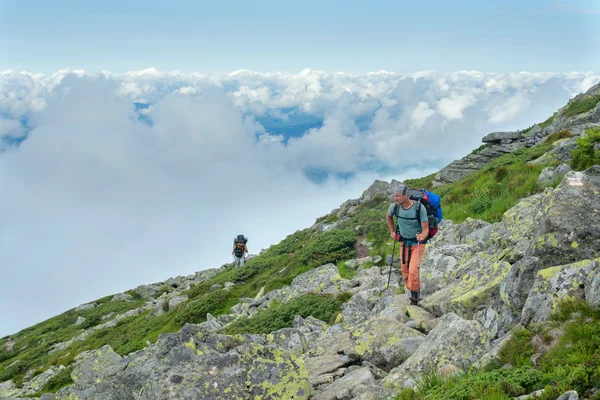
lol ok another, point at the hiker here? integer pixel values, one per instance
(239, 250)
(412, 234)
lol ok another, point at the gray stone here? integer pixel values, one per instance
(453, 341)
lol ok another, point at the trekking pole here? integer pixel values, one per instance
(419, 268)
(391, 263)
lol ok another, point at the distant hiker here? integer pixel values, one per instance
(412, 231)
(239, 250)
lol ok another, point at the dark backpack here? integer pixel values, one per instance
(239, 249)
(432, 204)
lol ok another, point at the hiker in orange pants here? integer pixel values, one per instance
(412, 233)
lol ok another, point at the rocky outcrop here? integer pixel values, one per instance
(500, 143)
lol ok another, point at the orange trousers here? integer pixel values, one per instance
(410, 270)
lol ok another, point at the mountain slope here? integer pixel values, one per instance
(338, 330)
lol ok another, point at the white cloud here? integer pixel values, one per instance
(453, 107)
(421, 113)
(94, 195)
(510, 108)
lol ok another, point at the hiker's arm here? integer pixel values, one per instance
(390, 224)
(424, 231)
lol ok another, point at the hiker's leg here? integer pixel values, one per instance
(242, 261)
(413, 282)
(404, 263)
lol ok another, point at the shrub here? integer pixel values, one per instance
(196, 310)
(585, 155)
(323, 307)
(329, 247)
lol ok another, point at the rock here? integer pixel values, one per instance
(193, 364)
(453, 341)
(95, 365)
(377, 187)
(439, 267)
(322, 369)
(288, 339)
(176, 301)
(532, 396)
(7, 389)
(37, 383)
(477, 284)
(552, 285)
(592, 289)
(322, 280)
(359, 307)
(80, 320)
(216, 286)
(497, 346)
(146, 291)
(85, 307)
(122, 297)
(549, 174)
(499, 136)
(569, 229)
(534, 131)
(348, 387)
(570, 395)
(384, 341)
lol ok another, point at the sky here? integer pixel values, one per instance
(137, 139)
(267, 35)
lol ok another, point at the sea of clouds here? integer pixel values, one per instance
(110, 181)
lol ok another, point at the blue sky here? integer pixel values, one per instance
(353, 36)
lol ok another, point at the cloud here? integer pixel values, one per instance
(96, 200)
(510, 108)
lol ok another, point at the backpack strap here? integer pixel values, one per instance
(417, 216)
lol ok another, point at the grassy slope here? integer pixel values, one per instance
(486, 195)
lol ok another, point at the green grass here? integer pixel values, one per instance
(323, 307)
(573, 364)
(487, 194)
(581, 106)
(346, 272)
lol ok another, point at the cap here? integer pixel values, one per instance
(401, 188)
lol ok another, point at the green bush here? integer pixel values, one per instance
(323, 307)
(585, 155)
(329, 247)
(196, 310)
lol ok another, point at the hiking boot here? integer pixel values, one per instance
(414, 302)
